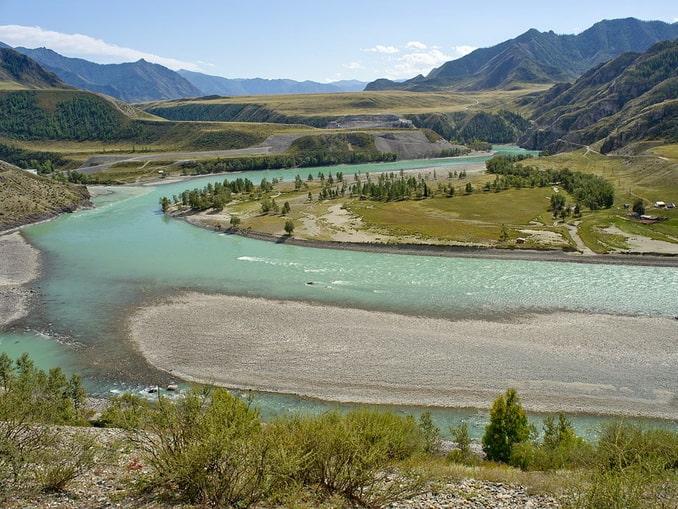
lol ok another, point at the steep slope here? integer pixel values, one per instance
(26, 198)
(23, 72)
(633, 97)
(130, 82)
(539, 57)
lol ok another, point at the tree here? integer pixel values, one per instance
(504, 235)
(285, 208)
(430, 431)
(289, 227)
(235, 221)
(639, 206)
(508, 426)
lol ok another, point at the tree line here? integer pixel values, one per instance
(588, 189)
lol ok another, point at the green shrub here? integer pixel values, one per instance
(206, 448)
(635, 468)
(356, 456)
(35, 454)
(127, 411)
(559, 448)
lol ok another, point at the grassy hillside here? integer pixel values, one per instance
(323, 106)
(26, 198)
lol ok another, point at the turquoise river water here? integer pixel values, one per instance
(99, 264)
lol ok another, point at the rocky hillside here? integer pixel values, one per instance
(23, 72)
(539, 57)
(26, 198)
(631, 98)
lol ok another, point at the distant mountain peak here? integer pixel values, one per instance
(539, 57)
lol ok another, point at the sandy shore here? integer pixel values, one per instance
(19, 265)
(575, 362)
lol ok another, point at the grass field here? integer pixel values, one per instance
(484, 217)
(369, 103)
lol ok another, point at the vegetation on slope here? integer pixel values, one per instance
(628, 99)
(210, 447)
(27, 198)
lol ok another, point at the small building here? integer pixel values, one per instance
(659, 204)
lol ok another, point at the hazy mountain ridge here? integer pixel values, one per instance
(131, 82)
(217, 85)
(539, 57)
(630, 98)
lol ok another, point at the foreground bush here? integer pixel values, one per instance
(206, 448)
(35, 454)
(635, 468)
(358, 456)
(211, 448)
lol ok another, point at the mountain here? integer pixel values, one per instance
(630, 98)
(24, 72)
(217, 85)
(130, 82)
(539, 57)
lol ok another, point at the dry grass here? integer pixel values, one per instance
(369, 103)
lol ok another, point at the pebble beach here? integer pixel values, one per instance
(574, 362)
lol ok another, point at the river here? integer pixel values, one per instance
(101, 264)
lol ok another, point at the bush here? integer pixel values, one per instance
(356, 456)
(34, 454)
(206, 448)
(559, 448)
(635, 468)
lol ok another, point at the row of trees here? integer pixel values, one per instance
(591, 190)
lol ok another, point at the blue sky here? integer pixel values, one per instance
(315, 40)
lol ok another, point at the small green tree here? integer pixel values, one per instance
(235, 221)
(289, 227)
(504, 234)
(430, 431)
(639, 206)
(508, 426)
(285, 208)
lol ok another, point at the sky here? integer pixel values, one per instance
(318, 40)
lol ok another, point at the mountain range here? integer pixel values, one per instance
(141, 81)
(533, 57)
(538, 57)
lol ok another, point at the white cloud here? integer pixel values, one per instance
(419, 62)
(413, 58)
(416, 45)
(464, 50)
(354, 65)
(84, 46)
(379, 48)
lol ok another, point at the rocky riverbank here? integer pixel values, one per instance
(20, 265)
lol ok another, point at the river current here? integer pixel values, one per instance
(100, 264)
